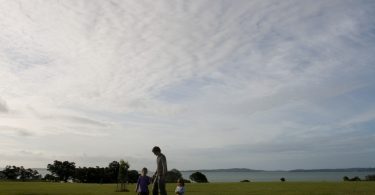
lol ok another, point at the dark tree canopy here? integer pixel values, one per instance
(49, 177)
(113, 170)
(11, 172)
(133, 176)
(63, 170)
(370, 177)
(173, 175)
(14, 172)
(109, 174)
(346, 178)
(198, 177)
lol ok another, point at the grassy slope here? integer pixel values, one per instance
(259, 188)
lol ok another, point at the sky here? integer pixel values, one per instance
(260, 84)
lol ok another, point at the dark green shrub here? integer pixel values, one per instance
(198, 177)
(172, 176)
(356, 178)
(370, 178)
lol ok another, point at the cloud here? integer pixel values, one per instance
(3, 106)
(70, 119)
(267, 76)
(15, 131)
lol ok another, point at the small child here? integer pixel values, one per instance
(180, 189)
(143, 182)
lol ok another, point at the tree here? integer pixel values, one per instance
(172, 176)
(198, 177)
(122, 176)
(14, 172)
(11, 172)
(133, 176)
(94, 175)
(370, 177)
(49, 177)
(113, 169)
(28, 174)
(356, 178)
(80, 174)
(346, 178)
(2, 176)
(63, 170)
(35, 174)
(24, 174)
(108, 174)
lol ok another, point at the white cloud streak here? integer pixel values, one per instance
(100, 78)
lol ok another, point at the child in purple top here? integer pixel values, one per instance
(143, 182)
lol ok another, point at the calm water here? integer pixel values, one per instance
(276, 175)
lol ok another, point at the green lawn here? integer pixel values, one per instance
(328, 188)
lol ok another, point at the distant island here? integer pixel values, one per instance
(336, 170)
(294, 170)
(225, 170)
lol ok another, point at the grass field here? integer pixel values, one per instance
(328, 188)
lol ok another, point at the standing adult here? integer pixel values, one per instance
(160, 173)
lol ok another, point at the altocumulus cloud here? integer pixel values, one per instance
(270, 85)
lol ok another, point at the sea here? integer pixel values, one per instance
(270, 176)
(273, 176)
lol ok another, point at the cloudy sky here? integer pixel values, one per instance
(261, 84)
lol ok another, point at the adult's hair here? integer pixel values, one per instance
(156, 149)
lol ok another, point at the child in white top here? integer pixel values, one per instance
(180, 189)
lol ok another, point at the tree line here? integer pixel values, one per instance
(367, 178)
(64, 171)
(19, 173)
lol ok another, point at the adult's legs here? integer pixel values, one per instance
(159, 185)
(162, 189)
(155, 187)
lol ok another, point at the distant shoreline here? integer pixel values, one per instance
(293, 170)
(239, 174)
(255, 170)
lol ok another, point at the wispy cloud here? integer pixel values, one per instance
(15, 131)
(3, 106)
(100, 77)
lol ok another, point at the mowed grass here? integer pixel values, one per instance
(287, 188)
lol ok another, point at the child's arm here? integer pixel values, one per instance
(137, 187)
